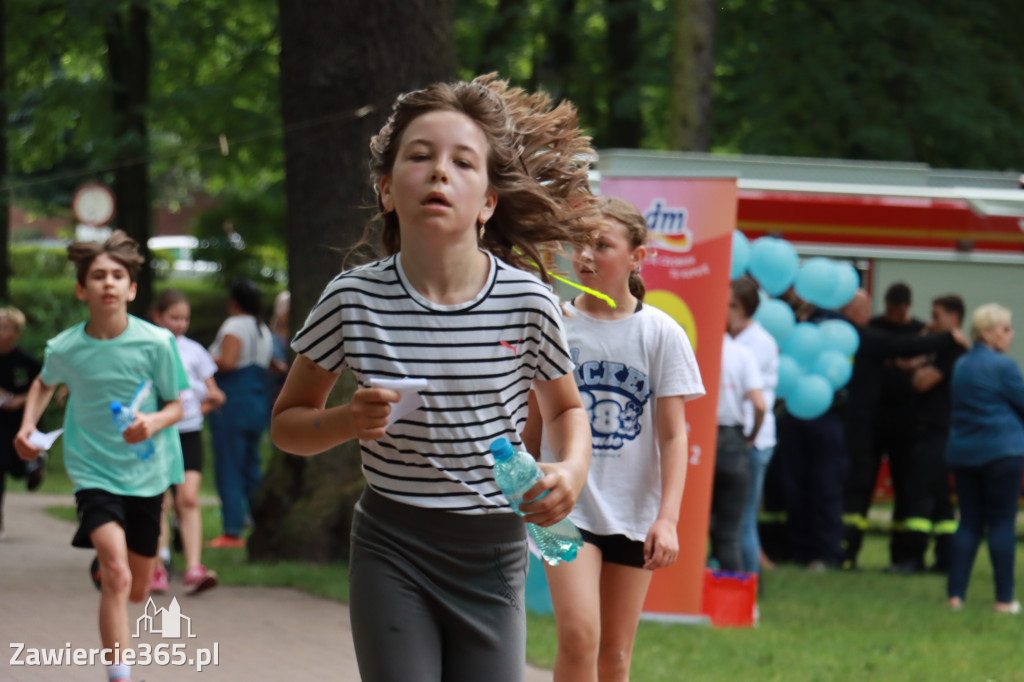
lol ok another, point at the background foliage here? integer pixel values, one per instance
(909, 80)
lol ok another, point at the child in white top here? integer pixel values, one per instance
(635, 369)
(172, 311)
(438, 559)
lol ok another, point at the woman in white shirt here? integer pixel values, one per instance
(242, 351)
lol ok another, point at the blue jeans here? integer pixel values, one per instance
(237, 429)
(750, 544)
(728, 497)
(988, 496)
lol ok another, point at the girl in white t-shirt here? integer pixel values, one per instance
(635, 369)
(172, 311)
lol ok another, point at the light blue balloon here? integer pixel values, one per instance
(804, 344)
(834, 366)
(777, 318)
(816, 281)
(810, 398)
(790, 372)
(740, 254)
(847, 281)
(839, 335)
(773, 263)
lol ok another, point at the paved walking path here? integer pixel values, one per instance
(48, 602)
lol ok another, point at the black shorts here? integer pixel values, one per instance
(617, 549)
(192, 449)
(139, 516)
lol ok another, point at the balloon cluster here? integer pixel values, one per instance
(815, 359)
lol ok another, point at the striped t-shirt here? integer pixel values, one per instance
(479, 359)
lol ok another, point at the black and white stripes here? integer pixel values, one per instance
(479, 358)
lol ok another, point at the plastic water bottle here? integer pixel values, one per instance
(123, 418)
(516, 471)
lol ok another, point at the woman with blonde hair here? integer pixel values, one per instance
(986, 454)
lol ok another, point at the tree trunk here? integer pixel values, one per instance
(342, 64)
(559, 59)
(625, 122)
(693, 69)
(128, 57)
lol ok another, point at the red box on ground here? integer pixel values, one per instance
(730, 598)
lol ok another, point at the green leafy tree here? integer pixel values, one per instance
(935, 81)
(162, 99)
(5, 208)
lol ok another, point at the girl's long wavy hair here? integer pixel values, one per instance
(537, 166)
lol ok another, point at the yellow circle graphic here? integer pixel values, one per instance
(675, 308)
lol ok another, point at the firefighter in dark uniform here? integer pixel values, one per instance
(896, 415)
(803, 496)
(928, 504)
(864, 391)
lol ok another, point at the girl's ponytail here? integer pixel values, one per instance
(636, 284)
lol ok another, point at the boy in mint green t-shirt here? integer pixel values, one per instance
(119, 495)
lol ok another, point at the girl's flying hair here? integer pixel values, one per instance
(537, 165)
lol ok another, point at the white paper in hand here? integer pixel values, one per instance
(44, 441)
(408, 389)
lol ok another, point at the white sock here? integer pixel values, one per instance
(165, 554)
(116, 671)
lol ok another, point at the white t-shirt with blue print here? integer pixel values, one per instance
(622, 368)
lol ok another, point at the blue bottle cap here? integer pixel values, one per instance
(501, 448)
(116, 406)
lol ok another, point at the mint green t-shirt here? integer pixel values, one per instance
(98, 372)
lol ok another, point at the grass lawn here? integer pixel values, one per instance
(815, 627)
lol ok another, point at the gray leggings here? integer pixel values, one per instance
(436, 596)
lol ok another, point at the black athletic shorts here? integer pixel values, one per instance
(139, 516)
(192, 449)
(617, 549)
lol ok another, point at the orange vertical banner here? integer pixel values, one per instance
(687, 276)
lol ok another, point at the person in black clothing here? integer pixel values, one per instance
(864, 391)
(896, 415)
(805, 478)
(17, 370)
(928, 506)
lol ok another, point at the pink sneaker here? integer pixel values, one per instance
(199, 579)
(158, 585)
